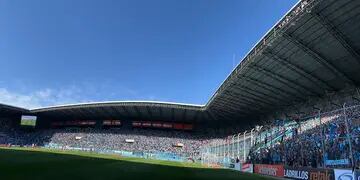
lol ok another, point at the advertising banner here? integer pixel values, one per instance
(270, 170)
(157, 124)
(238, 166)
(107, 122)
(136, 124)
(357, 175)
(343, 174)
(308, 173)
(337, 162)
(116, 123)
(249, 168)
(146, 124)
(167, 125)
(296, 173)
(178, 126)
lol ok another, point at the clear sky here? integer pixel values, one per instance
(69, 51)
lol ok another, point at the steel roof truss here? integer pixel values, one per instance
(337, 34)
(271, 88)
(244, 103)
(212, 117)
(243, 99)
(251, 91)
(229, 104)
(317, 57)
(233, 110)
(254, 97)
(224, 114)
(219, 115)
(284, 80)
(315, 80)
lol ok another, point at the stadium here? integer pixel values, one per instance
(290, 109)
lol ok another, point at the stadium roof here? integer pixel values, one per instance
(312, 50)
(11, 110)
(140, 110)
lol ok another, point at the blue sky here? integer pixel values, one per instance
(69, 51)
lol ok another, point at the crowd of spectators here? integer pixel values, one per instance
(144, 140)
(309, 144)
(134, 140)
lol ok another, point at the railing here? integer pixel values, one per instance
(328, 139)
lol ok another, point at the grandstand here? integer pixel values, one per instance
(292, 103)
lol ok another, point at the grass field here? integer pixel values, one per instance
(21, 163)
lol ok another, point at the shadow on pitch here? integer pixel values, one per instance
(20, 164)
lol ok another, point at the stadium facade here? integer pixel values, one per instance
(308, 61)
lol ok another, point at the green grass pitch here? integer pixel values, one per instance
(21, 163)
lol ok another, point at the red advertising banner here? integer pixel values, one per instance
(270, 170)
(178, 126)
(247, 168)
